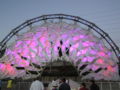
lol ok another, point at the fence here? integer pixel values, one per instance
(26, 85)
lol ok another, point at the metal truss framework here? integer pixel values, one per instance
(89, 24)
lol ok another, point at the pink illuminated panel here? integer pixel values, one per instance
(43, 44)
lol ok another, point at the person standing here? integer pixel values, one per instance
(54, 84)
(0, 84)
(83, 86)
(37, 85)
(64, 85)
(9, 84)
(94, 86)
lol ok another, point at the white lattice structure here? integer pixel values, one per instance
(52, 41)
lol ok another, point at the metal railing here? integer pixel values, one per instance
(26, 86)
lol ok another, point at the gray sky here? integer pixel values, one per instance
(104, 13)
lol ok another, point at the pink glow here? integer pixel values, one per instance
(3, 67)
(100, 61)
(76, 46)
(78, 53)
(84, 59)
(10, 69)
(63, 48)
(55, 49)
(38, 34)
(67, 43)
(76, 38)
(88, 43)
(71, 49)
(84, 51)
(95, 67)
(41, 46)
(93, 52)
(7, 68)
(90, 59)
(101, 53)
(64, 36)
(32, 54)
(110, 68)
(81, 36)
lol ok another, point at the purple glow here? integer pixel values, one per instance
(41, 46)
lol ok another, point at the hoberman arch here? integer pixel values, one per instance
(91, 26)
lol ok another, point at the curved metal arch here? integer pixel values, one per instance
(89, 24)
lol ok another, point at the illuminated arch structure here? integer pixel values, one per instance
(59, 37)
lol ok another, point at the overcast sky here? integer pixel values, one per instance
(104, 13)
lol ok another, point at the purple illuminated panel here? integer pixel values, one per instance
(43, 44)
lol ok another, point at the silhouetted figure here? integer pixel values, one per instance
(93, 85)
(67, 51)
(64, 85)
(83, 86)
(0, 84)
(61, 42)
(59, 51)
